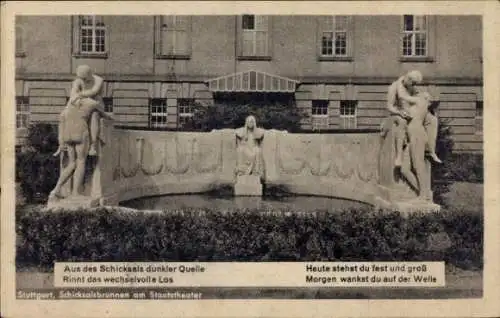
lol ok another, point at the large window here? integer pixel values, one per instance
(334, 40)
(158, 113)
(348, 114)
(479, 118)
(185, 107)
(415, 37)
(319, 114)
(254, 36)
(173, 38)
(90, 36)
(335, 34)
(22, 112)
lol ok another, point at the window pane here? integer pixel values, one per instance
(99, 21)
(340, 43)
(319, 107)
(167, 42)
(100, 41)
(408, 23)
(181, 40)
(248, 22)
(327, 43)
(248, 43)
(407, 49)
(420, 44)
(261, 22)
(261, 43)
(420, 23)
(181, 22)
(86, 20)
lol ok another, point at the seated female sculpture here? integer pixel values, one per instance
(248, 142)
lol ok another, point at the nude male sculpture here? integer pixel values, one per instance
(79, 127)
(400, 98)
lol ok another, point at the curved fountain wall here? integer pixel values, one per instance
(136, 163)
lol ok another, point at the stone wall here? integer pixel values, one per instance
(140, 163)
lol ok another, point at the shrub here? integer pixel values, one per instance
(109, 234)
(442, 173)
(219, 116)
(36, 169)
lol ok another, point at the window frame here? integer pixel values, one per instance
(346, 118)
(25, 101)
(331, 22)
(190, 105)
(108, 102)
(430, 40)
(320, 121)
(77, 37)
(158, 22)
(163, 104)
(267, 56)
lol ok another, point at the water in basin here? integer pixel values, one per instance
(203, 201)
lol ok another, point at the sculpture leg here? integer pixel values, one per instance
(82, 150)
(400, 133)
(431, 128)
(94, 133)
(66, 173)
(417, 152)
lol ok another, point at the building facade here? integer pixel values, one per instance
(336, 68)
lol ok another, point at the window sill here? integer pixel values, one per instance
(254, 58)
(335, 58)
(91, 55)
(174, 57)
(417, 59)
(20, 54)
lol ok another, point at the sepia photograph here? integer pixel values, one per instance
(163, 156)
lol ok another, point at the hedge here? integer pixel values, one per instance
(109, 234)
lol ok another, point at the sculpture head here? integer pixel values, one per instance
(84, 72)
(250, 122)
(412, 79)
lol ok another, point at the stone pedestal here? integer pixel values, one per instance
(73, 202)
(408, 206)
(248, 186)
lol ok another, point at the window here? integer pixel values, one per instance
(22, 112)
(479, 118)
(20, 36)
(335, 37)
(108, 105)
(319, 114)
(158, 113)
(254, 36)
(185, 110)
(173, 39)
(416, 36)
(348, 114)
(90, 36)
(334, 41)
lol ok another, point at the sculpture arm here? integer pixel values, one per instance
(98, 81)
(100, 109)
(403, 94)
(391, 101)
(75, 91)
